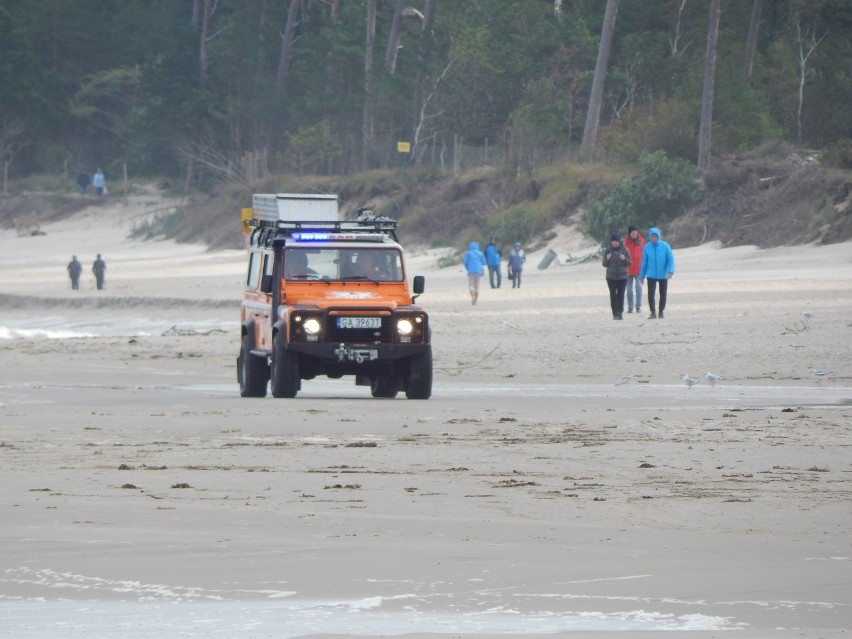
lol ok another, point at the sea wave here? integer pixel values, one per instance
(19, 302)
(7, 332)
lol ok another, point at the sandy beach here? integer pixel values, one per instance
(530, 496)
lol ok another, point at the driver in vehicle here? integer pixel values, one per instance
(296, 265)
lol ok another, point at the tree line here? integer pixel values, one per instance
(236, 89)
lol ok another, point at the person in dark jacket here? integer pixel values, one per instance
(616, 259)
(99, 269)
(659, 267)
(74, 271)
(83, 182)
(517, 257)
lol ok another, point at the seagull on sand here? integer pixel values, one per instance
(689, 381)
(710, 377)
(624, 379)
(820, 374)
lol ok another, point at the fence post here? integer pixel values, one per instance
(456, 163)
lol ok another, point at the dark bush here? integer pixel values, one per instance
(661, 190)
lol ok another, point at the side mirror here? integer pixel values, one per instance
(419, 284)
(266, 284)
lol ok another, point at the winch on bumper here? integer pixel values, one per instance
(387, 349)
(357, 335)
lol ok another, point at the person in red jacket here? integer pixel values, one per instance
(634, 243)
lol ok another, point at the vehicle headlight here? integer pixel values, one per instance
(311, 326)
(404, 327)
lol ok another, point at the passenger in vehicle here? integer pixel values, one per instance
(366, 265)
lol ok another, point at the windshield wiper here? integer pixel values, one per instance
(360, 278)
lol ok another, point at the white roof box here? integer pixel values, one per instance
(295, 207)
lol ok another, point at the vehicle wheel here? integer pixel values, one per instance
(419, 384)
(284, 373)
(384, 386)
(252, 371)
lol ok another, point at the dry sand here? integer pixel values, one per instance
(531, 496)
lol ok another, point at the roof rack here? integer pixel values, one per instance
(365, 223)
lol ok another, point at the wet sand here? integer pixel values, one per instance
(531, 496)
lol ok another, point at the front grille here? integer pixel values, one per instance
(357, 335)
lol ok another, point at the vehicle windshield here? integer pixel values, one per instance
(371, 264)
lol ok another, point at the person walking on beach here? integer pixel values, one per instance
(492, 259)
(474, 264)
(83, 182)
(634, 243)
(659, 267)
(517, 257)
(616, 259)
(75, 268)
(99, 182)
(99, 269)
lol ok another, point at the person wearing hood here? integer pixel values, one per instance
(474, 264)
(616, 259)
(634, 243)
(517, 257)
(659, 267)
(493, 253)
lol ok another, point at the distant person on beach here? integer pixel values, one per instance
(492, 259)
(99, 269)
(658, 266)
(634, 243)
(516, 260)
(83, 182)
(99, 182)
(474, 264)
(75, 268)
(616, 259)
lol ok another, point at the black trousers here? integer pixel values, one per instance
(652, 289)
(616, 295)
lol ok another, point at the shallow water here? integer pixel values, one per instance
(285, 619)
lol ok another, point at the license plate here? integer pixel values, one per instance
(359, 322)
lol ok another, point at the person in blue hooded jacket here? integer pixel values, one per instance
(493, 253)
(474, 264)
(659, 267)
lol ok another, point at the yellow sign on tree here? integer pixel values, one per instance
(403, 147)
(245, 216)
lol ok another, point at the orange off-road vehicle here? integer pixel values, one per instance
(329, 297)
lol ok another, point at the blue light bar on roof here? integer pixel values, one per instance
(310, 237)
(314, 236)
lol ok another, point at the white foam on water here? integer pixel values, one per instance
(152, 609)
(9, 332)
(285, 619)
(105, 325)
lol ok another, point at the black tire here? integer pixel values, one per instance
(252, 371)
(384, 386)
(419, 384)
(284, 372)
